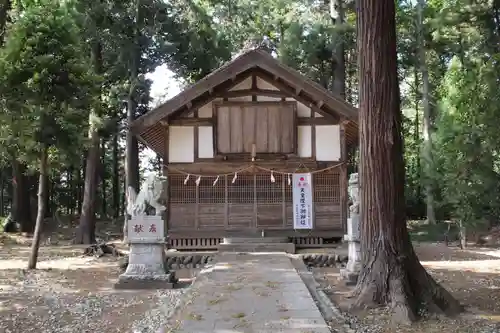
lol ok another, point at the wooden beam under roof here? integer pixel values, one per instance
(290, 91)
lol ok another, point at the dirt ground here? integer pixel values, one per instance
(472, 276)
(67, 293)
(73, 293)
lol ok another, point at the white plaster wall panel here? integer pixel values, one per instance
(317, 115)
(205, 142)
(304, 138)
(205, 111)
(245, 84)
(303, 111)
(241, 99)
(263, 84)
(328, 143)
(268, 99)
(181, 144)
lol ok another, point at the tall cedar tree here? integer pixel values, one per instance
(46, 88)
(391, 272)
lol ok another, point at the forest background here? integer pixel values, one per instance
(63, 118)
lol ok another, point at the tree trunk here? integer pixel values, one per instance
(103, 179)
(5, 6)
(48, 197)
(427, 127)
(42, 189)
(132, 149)
(116, 178)
(21, 208)
(86, 229)
(80, 182)
(132, 155)
(462, 235)
(416, 138)
(338, 56)
(2, 197)
(71, 192)
(391, 272)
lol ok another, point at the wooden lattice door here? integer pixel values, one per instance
(270, 208)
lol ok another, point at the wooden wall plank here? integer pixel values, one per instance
(249, 117)
(236, 138)
(223, 137)
(271, 126)
(261, 131)
(287, 130)
(274, 129)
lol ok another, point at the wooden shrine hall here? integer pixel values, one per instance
(230, 144)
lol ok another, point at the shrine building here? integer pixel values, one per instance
(255, 148)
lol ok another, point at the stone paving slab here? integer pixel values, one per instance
(251, 293)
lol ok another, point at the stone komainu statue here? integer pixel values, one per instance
(149, 194)
(354, 193)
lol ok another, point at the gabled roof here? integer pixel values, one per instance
(227, 76)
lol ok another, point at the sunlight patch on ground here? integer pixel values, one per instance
(478, 266)
(490, 317)
(489, 252)
(72, 263)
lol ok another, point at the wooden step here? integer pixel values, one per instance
(262, 240)
(257, 247)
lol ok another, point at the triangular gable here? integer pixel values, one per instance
(234, 72)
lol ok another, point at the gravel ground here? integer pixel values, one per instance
(71, 293)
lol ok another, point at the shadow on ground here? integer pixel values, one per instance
(470, 275)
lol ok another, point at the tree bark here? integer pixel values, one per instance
(86, 229)
(5, 6)
(116, 178)
(80, 182)
(48, 197)
(42, 189)
(132, 154)
(103, 179)
(391, 272)
(2, 197)
(21, 208)
(416, 137)
(338, 56)
(427, 127)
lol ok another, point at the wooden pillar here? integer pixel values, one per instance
(226, 203)
(255, 219)
(343, 177)
(165, 174)
(313, 136)
(283, 199)
(196, 155)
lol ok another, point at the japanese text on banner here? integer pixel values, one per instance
(302, 201)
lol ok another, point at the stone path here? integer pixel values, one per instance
(251, 293)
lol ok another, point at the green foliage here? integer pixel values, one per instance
(46, 81)
(421, 231)
(48, 85)
(468, 142)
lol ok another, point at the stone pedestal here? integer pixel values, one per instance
(146, 265)
(351, 271)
